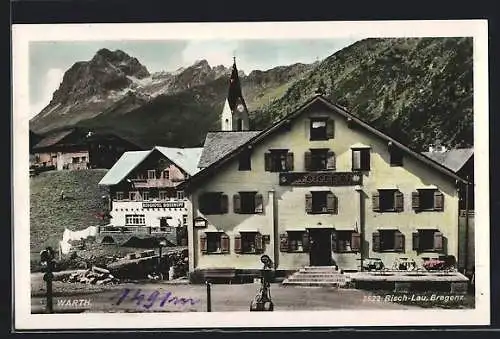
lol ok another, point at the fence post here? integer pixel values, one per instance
(209, 297)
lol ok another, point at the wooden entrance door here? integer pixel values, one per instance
(320, 253)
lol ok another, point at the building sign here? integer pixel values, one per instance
(200, 222)
(165, 204)
(320, 179)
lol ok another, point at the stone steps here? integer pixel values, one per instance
(327, 276)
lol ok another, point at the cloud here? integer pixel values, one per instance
(52, 79)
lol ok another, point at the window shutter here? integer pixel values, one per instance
(356, 160)
(355, 241)
(237, 243)
(289, 161)
(331, 203)
(415, 200)
(376, 201)
(398, 201)
(307, 161)
(224, 243)
(334, 241)
(399, 241)
(258, 243)
(438, 241)
(376, 242)
(284, 242)
(365, 159)
(236, 203)
(330, 129)
(416, 241)
(267, 161)
(203, 243)
(305, 241)
(309, 203)
(259, 203)
(330, 162)
(438, 201)
(224, 203)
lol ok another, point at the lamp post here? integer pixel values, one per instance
(161, 244)
(47, 261)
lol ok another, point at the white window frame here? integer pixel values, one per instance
(180, 195)
(135, 220)
(163, 195)
(153, 176)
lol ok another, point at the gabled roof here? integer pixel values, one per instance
(453, 159)
(184, 158)
(127, 162)
(219, 144)
(318, 99)
(53, 138)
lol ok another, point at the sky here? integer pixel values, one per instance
(48, 60)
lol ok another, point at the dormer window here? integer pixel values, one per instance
(321, 129)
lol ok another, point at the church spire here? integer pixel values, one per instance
(235, 112)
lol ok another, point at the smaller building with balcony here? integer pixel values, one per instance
(145, 202)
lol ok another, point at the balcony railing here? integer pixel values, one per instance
(135, 229)
(162, 182)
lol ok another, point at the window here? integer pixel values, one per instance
(184, 220)
(396, 157)
(361, 159)
(298, 241)
(213, 203)
(321, 129)
(84, 159)
(388, 240)
(75, 160)
(387, 200)
(278, 161)
(346, 241)
(119, 195)
(320, 202)
(180, 195)
(319, 159)
(214, 242)
(247, 203)
(163, 222)
(134, 195)
(135, 220)
(428, 241)
(162, 195)
(151, 174)
(427, 200)
(145, 195)
(245, 163)
(166, 174)
(248, 243)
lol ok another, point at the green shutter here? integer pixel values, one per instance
(399, 241)
(307, 161)
(376, 201)
(355, 241)
(376, 242)
(237, 243)
(289, 161)
(236, 203)
(267, 161)
(330, 129)
(259, 203)
(438, 201)
(284, 242)
(416, 241)
(415, 200)
(398, 201)
(309, 203)
(203, 243)
(438, 241)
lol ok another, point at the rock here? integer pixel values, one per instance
(100, 270)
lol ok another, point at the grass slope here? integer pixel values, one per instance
(49, 215)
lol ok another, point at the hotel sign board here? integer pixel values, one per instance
(321, 179)
(165, 204)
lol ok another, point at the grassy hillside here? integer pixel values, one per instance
(49, 215)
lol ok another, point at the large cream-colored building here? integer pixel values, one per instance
(318, 188)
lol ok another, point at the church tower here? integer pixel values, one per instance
(235, 113)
